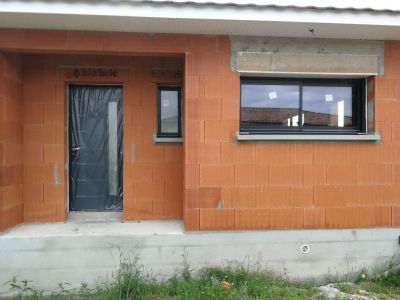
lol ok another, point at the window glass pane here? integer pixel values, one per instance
(327, 106)
(169, 111)
(272, 105)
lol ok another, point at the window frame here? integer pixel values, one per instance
(161, 88)
(358, 106)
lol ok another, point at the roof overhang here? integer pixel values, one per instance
(207, 18)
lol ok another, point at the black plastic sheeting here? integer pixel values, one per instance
(95, 147)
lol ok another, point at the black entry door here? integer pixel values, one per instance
(95, 147)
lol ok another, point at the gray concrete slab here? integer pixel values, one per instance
(82, 216)
(92, 227)
(306, 55)
(367, 65)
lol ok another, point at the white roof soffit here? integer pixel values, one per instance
(371, 5)
(355, 19)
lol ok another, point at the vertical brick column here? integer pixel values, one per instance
(211, 119)
(385, 169)
(153, 172)
(11, 205)
(44, 141)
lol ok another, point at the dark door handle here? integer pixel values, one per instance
(74, 151)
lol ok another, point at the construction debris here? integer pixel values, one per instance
(332, 292)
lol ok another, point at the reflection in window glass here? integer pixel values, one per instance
(169, 107)
(272, 105)
(302, 104)
(327, 106)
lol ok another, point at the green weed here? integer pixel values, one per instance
(231, 283)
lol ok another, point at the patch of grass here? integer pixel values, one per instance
(232, 282)
(383, 281)
(347, 288)
(132, 283)
(385, 285)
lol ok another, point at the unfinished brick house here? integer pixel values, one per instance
(225, 115)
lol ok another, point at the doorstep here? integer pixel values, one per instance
(94, 227)
(90, 217)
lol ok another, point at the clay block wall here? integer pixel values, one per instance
(261, 185)
(44, 141)
(11, 204)
(152, 183)
(387, 107)
(284, 185)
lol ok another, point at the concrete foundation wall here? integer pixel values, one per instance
(73, 253)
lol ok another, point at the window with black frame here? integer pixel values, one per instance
(169, 111)
(302, 105)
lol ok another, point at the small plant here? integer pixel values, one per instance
(62, 288)
(23, 289)
(84, 289)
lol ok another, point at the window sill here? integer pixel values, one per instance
(371, 137)
(167, 140)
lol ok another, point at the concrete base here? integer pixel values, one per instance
(82, 216)
(90, 251)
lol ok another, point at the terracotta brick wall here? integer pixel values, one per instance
(152, 184)
(262, 185)
(211, 156)
(284, 185)
(11, 204)
(387, 107)
(44, 141)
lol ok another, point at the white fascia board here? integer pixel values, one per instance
(382, 5)
(211, 19)
(194, 12)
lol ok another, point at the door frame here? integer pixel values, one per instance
(67, 132)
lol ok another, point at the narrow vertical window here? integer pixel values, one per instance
(169, 111)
